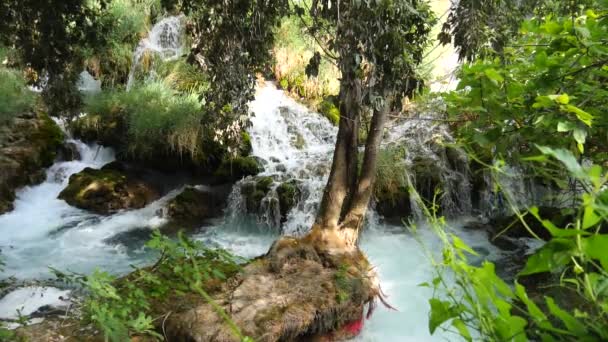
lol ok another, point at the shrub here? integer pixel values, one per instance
(329, 109)
(15, 97)
(154, 114)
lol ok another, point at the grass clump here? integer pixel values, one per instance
(15, 97)
(292, 52)
(154, 114)
(329, 109)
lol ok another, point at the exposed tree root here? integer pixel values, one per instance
(294, 292)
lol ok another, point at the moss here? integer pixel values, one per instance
(245, 147)
(255, 191)
(288, 193)
(49, 136)
(77, 187)
(236, 168)
(330, 110)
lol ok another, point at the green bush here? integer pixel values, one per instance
(15, 97)
(329, 109)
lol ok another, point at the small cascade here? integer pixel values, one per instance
(164, 40)
(430, 163)
(44, 231)
(294, 144)
(88, 84)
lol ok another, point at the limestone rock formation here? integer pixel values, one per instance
(28, 144)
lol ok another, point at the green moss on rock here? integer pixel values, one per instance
(289, 193)
(234, 169)
(330, 110)
(107, 190)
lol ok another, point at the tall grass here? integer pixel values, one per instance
(391, 174)
(127, 22)
(15, 97)
(155, 116)
(292, 52)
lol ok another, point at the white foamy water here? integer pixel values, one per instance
(45, 231)
(163, 40)
(27, 300)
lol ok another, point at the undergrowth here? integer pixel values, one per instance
(135, 304)
(15, 97)
(153, 112)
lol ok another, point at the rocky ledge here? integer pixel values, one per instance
(108, 190)
(28, 144)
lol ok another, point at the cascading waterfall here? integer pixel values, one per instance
(429, 162)
(164, 40)
(294, 144)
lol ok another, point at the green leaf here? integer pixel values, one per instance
(552, 228)
(561, 98)
(441, 311)
(552, 257)
(590, 218)
(566, 158)
(462, 329)
(565, 126)
(595, 247)
(585, 117)
(459, 244)
(571, 323)
(493, 75)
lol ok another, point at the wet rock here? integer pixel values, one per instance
(231, 170)
(393, 206)
(193, 206)
(107, 190)
(28, 144)
(289, 195)
(68, 151)
(254, 191)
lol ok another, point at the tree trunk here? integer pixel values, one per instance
(348, 192)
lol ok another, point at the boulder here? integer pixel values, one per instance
(107, 190)
(286, 195)
(192, 206)
(68, 151)
(234, 169)
(28, 144)
(289, 195)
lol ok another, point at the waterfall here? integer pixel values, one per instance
(294, 144)
(164, 40)
(297, 144)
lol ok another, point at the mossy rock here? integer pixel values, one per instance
(289, 195)
(330, 110)
(234, 169)
(28, 144)
(192, 207)
(106, 191)
(254, 191)
(245, 147)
